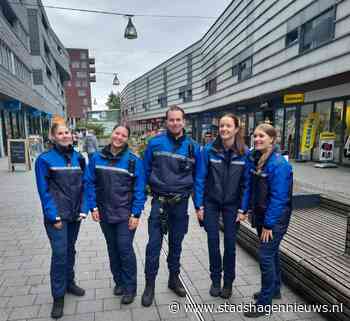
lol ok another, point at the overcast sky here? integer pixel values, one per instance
(103, 35)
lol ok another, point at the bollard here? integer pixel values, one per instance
(347, 244)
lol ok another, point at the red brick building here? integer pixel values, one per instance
(78, 89)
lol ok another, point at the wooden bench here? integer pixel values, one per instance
(313, 256)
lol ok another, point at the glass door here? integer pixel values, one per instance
(337, 127)
(290, 139)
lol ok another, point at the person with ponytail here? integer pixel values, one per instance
(271, 203)
(224, 190)
(59, 177)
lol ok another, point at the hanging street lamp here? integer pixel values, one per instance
(130, 30)
(116, 80)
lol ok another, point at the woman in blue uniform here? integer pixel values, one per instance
(116, 193)
(272, 185)
(59, 176)
(225, 191)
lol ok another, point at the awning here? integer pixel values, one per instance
(13, 105)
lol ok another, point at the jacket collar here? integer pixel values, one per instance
(64, 150)
(219, 148)
(176, 141)
(107, 154)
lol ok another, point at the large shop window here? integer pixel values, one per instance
(324, 111)
(305, 112)
(318, 31)
(346, 158)
(337, 127)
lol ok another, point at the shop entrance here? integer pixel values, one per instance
(290, 138)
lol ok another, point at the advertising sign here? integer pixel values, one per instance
(309, 132)
(327, 140)
(293, 99)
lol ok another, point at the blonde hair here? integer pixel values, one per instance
(270, 131)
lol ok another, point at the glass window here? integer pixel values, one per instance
(81, 93)
(245, 69)
(318, 31)
(304, 114)
(337, 127)
(324, 111)
(81, 74)
(77, 83)
(84, 64)
(75, 64)
(346, 158)
(292, 37)
(279, 118)
(289, 132)
(83, 55)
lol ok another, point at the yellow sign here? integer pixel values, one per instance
(293, 99)
(328, 136)
(309, 132)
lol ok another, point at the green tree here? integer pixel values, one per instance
(113, 101)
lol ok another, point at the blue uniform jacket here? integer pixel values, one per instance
(170, 168)
(272, 192)
(226, 177)
(113, 188)
(60, 185)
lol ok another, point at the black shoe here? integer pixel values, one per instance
(128, 298)
(75, 290)
(215, 290)
(148, 294)
(175, 284)
(276, 296)
(57, 308)
(118, 290)
(226, 291)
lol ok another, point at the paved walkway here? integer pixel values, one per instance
(331, 182)
(25, 260)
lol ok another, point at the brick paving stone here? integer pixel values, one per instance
(29, 312)
(21, 301)
(114, 315)
(90, 306)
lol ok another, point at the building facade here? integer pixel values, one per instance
(279, 61)
(33, 68)
(78, 89)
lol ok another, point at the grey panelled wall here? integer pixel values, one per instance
(252, 33)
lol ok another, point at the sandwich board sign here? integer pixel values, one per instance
(18, 153)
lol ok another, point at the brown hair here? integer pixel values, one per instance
(239, 146)
(174, 108)
(270, 131)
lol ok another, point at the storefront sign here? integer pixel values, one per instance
(293, 99)
(327, 140)
(309, 132)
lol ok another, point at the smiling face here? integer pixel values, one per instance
(175, 122)
(62, 136)
(227, 128)
(262, 141)
(119, 137)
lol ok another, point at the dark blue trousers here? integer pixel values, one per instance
(269, 260)
(212, 211)
(63, 255)
(122, 258)
(178, 227)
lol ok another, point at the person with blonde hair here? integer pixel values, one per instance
(271, 203)
(59, 177)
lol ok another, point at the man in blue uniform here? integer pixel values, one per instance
(172, 164)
